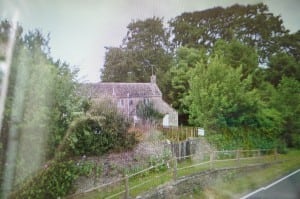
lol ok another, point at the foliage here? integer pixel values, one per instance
(280, 65)
(253, 25)
(222, 95)
(145, 50)
(234, 54)
(290, 44)
(137, 132)
(296, 140)
(103, 130)
(219, 98)
(147, 112)
(53, 181)
(185, 60)
(161, 160)
(237, 54)
(228, 139)
(286, 101)
(39, 102)
(86, 168)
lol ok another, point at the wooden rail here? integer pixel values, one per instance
(178, 133)
(236, 156)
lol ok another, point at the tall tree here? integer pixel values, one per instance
(290, 44)
(145, 50)
(237, 54)
(286, 101)
(234, 53)
(251, 24)
(219, 98)
(185, 60)
(282, 65)
(39, 104)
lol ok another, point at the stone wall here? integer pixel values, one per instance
(187, 184)
(191, 146)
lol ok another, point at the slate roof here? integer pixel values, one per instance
(121, 90)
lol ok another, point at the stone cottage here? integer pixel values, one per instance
(127, 95)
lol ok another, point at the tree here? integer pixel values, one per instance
(251, 24)
(286, 101)
(290, 44)
(40, 99)
(185, 60)
(280, 65)
(145, 50)
(234, 53)
(118, 66)
(219, 98)
(237, 54)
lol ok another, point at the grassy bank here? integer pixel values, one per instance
(145, 181)
(235, 186)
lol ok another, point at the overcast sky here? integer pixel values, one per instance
(80, 29)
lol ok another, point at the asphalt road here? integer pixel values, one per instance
(287, 187)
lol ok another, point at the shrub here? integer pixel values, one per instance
(243, 139)
(296, 140)
(53, 181)
(137, 132)
(147, 112)
(101, 130)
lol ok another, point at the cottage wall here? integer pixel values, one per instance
(173, 118)
(128, 105)
(127, 96)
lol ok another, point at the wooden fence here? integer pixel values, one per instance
(178, 133)
(133, 184)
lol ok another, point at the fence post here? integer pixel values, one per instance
(238, 157)
(259, 155)
(211, 159)
(275, 153)
(175, 169)
(186, 133)
(126, 187)
(95, 173)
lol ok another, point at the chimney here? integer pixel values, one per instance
(153, 79)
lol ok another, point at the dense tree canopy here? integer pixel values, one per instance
(253, 25)
(145, 50)
(218, 97)
(287, 101)
(282, 64)
(235, 54)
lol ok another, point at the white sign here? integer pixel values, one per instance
(201, 132)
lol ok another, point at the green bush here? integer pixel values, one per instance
(147, 112)
(243, 139)
(53, 181)
(296, 140)
(103, 129)
(96, 135)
